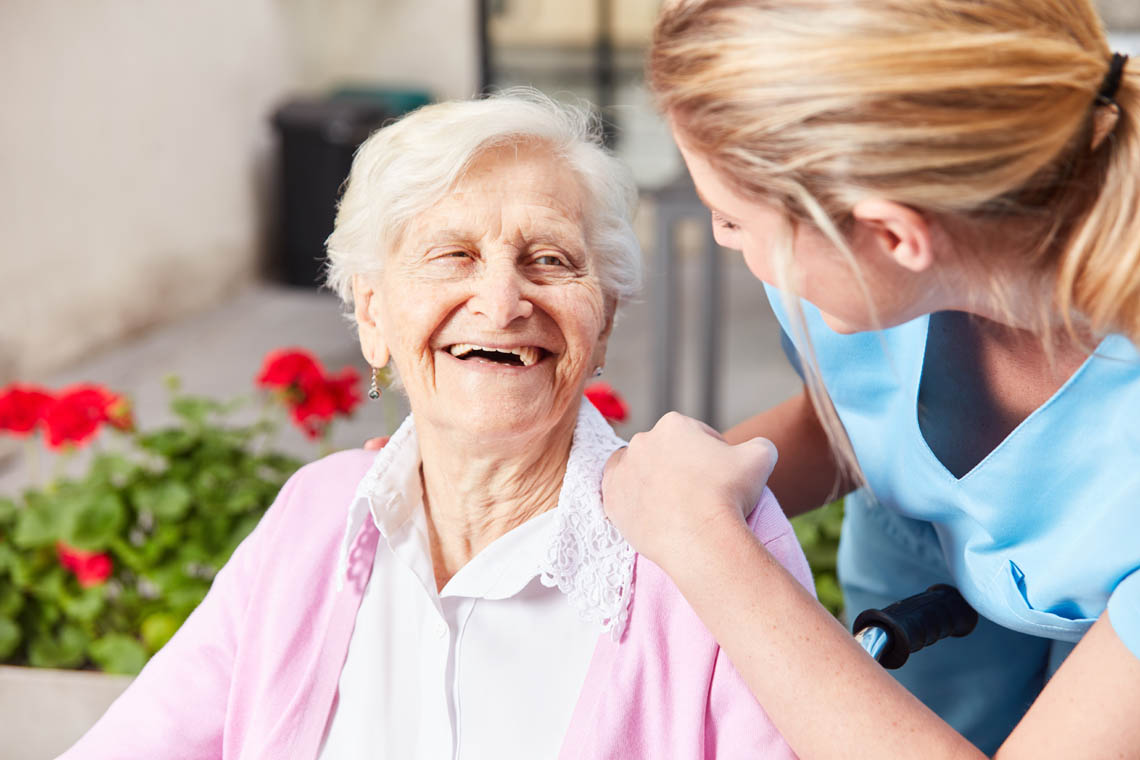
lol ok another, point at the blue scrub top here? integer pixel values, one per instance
(1043, 534)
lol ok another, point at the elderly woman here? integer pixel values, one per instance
(461, 593)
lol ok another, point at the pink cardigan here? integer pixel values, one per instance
(253, 672)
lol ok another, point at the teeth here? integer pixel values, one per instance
(527, 354)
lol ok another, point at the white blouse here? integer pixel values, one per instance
(491, 665)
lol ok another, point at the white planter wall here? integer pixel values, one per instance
(43, 712)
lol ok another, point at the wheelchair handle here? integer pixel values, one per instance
(891, 634)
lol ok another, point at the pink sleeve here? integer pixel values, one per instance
(775, 532)
(176, 708)
(737, 727)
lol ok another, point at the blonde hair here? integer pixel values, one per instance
(405, 168)
(971, 110)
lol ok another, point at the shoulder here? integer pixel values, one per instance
(771, 528)
(336, 475)
(316, 497)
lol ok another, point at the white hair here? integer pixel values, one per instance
(405, 168)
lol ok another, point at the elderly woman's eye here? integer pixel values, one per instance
(549, 260)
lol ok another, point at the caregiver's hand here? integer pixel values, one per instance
(680, 481)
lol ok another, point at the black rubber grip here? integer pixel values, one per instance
(919, 621)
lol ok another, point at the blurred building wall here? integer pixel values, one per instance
(1122, 15)
(136, 149)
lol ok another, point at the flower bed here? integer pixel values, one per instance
(98, 571)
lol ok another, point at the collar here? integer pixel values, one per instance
(586, 558)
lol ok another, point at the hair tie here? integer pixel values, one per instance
(1107, 94)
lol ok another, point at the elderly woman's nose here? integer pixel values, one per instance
(499, 295)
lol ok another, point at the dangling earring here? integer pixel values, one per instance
(598, 371)
(374, 388)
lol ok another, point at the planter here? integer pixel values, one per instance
(43, 711)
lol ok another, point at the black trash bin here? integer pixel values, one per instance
(317, 139)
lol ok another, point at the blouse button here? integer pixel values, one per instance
(441, 629)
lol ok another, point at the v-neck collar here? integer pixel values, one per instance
(915, 389)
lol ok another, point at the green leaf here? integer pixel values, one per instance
(64, 649)
(118, 653)
(10, 637)
(169, 577)
(114, 468)
(171, 443)
(38, 525)
(245, 497)
(98, 521)
(8, 558)
(818, 534)
(24, 567)
(8, 511)
(127, 555)
(158, 545)
(186, 598)
(11, 600)
(157, 629)
(85, 607)
(50, 584)
(198, 410)
(167, 500)
(214, 480)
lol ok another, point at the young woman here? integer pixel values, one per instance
(943, 198)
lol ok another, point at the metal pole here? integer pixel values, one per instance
(710, 333)
(605, 70)
(485, 71)
(665, 311)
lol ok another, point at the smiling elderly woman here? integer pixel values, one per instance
(475, 603)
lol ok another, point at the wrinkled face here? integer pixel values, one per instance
(819, 272)
(491, 307)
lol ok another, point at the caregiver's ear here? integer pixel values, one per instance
(369, 320)
(899, 231)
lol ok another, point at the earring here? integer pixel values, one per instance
(374, 388)
(598, 371)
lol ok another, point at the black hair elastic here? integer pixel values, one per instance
(1111, 83)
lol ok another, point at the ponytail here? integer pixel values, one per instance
(1098, 275)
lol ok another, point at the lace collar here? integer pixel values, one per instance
(587, 560)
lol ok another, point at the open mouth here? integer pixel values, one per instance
(520, 356)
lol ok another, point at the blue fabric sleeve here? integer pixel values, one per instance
(1124, 611)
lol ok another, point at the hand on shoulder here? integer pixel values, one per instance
(677, 483)
(375, 444)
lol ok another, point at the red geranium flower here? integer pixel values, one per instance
(76, 414)
(609, 403)
(91, 568)
(22, 408)
(119, 414)
(288, 367)
(315, 409)
(345, 389)
(313, 397)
